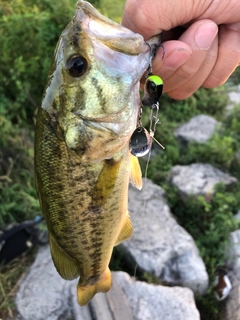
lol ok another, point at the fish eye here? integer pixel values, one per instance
(151, 87)
(76, 65)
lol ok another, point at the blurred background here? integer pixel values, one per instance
(29, 31)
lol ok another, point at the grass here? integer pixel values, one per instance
(10, 278)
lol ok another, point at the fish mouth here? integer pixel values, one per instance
(122, 122)
(109, 32)
(115, 117)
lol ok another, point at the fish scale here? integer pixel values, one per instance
(70, 195)
(82, 160)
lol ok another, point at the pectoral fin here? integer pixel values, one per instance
(105, 182)
(136, 173)
(86, 293)
(126, 232)
(66, 267)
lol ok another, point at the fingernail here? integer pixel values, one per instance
(177, 58)
(205, 35)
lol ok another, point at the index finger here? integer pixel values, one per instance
(151, 17)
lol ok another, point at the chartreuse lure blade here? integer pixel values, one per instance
(152, 90)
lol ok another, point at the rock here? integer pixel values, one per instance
(233, 252)
(232, 304)
(237, 216)
(133, 300)
(43, 294)
(234, 97)
(148, 301)
(79, 312)
(199, 129)
(112, 305)
(198, 179)
(230, 309)
(159, 245)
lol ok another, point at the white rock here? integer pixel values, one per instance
(198, 179)
(233, 252)
(237, 216)
(79, 312)
(159, 245)
(234, 96)
(150, 302)
(232, 305)
(199, 129)
(43, 294)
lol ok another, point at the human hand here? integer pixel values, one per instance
(201, 40)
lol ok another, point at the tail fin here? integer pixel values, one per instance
(86, 293)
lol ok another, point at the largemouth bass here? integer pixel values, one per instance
(82, 160)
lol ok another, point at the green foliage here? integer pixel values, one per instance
(178, 111)
(232, 123)
(9, 278)
(222, 149)
(17, 191)
(29, 32)
(118, 261)
(163, 160)
(150, 278)
(212, 219)
(112, 9)
(218, 151)
(235, 78)
(211, 102)
(28, 35)
(209, 220)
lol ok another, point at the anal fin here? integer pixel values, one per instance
(66, 267)
(126, 232)
(86, 293)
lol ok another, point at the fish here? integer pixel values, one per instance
(83, 165)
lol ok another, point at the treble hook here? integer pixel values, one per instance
(153, 51)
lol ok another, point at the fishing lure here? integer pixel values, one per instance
(141, 139)
(152, 91)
